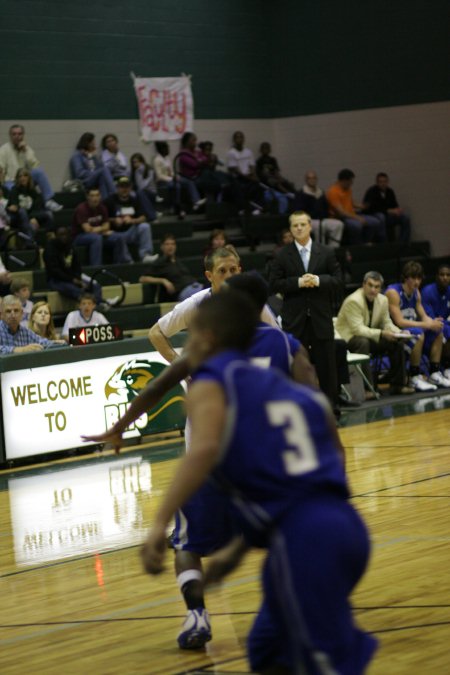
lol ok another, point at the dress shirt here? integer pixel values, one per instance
(305, 255)
(21, 338)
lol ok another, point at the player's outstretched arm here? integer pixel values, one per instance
(225, 561)
(206, 411)
(147, 399)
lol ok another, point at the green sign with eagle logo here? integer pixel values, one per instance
(127, 381)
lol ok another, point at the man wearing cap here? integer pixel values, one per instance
(127, 219)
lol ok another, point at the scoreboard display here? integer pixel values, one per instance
(91, 335)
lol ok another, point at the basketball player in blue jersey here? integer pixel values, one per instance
(436, 301)
(407, 312)
(204, 524)
(270, 444)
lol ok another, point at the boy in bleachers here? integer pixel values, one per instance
(20, 287)
(85, 315)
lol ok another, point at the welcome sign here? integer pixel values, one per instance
(56, 405)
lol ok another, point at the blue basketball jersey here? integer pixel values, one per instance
(279, 448)
(273, 348)
(407, 302)
(436, 303)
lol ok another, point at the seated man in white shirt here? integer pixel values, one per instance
(246, 188)
(85, 315)
(17, 154)
(365, 324)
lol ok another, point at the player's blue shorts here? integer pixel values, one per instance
(205, 523)
(410, 344)
(305, 623)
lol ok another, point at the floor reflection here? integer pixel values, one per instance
(74, 511)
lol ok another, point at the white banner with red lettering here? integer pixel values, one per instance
(166, 107)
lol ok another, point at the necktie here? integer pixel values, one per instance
(304, 257)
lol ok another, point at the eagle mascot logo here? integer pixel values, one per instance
(127, 382)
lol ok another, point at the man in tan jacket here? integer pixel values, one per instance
(365, 324)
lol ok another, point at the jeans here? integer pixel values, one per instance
(391, 220)
(371, 230)
(280, 197)
(145, 198)
(189, 290)
(102, 179)
(94, 242)
(191, 188)
(140, 234)
(70, 290)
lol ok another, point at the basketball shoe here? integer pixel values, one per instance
(196, 630)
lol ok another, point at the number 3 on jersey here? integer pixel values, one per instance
(301, 457)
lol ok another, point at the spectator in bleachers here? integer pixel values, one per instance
(20, 287)
(5, 279)
(17, 154)
(143, 183)
(41, 321)
(127, 219)
(311, 199)
(211, 171)
(26, 207)
(63, 267)
(365, 324)
(91, 228)
(359, 227)
(15, 338)
(408, 313)
(168, 271)
(113, 158)
(217, 239)
(190, 164)
(380, 201)
(241, 166)
(89, 169)
(4, 215)
(165, 178)
(85, 315)
(436, 302)
(269, 173)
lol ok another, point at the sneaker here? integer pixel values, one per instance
(159, 200)
(199, 204)
(439, 379)
(196, 630)
(447, 373)
(53, 206)
(150, 257)
(256, 212)
(420, 384)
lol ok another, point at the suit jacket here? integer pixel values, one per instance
(354, 318)
(301, 303)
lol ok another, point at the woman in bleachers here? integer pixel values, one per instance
(41, 320)
(89, 169)
(166, 179)
(113, 158)
(26, 206)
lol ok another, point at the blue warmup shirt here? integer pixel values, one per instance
(437, 304)
(279, 450)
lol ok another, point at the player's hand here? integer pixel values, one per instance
(109, 436)
(224, 561)
(154, 550)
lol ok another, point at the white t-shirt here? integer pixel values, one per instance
(180, 317)
(163, 168)
(76, 320)
(240, 159)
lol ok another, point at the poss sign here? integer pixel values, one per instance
(91, 335)
(48, 409)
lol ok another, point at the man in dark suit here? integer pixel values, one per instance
(306, 274)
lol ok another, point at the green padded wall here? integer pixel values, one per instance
(248, 58)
